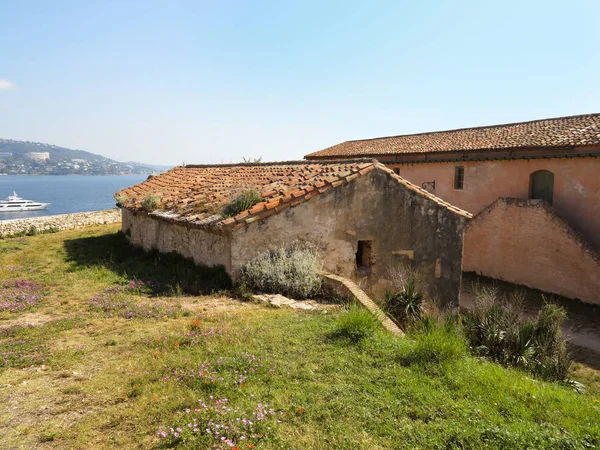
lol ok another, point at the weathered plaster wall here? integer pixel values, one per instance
(525, 242)
(149, 233)
(59, 222)
(374, 207)
(576, 186)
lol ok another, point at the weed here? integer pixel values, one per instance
(114, 302)
(436, 346)
(217, 424)
(27, 345)
(19, 295)
(135, 389)
(47, 437)
(72, 390)
(122, 200)
(243, 291)
(151, 202)
(241, 202)
(252, 160)
(356, 325)
(33, 231)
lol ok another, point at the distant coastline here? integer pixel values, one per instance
(36, 158)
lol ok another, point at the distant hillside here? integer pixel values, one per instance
(19, 157)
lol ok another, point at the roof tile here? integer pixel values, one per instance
(560, 132)
(197, 194)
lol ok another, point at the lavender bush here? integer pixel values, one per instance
(293, 271)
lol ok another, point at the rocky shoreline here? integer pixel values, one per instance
(59, 222)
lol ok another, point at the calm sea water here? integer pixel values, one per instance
(67, 194)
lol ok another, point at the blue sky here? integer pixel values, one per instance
(210, 82)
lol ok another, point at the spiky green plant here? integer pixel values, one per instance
(406, 304)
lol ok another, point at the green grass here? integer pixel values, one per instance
(110, 382)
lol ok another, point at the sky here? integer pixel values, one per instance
(177, 82)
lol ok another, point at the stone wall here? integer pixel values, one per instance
(59, 222)
(526, 242)
(403, 226)
(155, 234)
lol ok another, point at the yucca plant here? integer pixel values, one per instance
(520, 345)
(406, 304)
(496, 329)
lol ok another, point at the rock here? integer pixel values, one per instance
(278, 301)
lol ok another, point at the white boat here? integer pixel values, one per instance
(15, 203)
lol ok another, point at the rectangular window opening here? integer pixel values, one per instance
(459, 177)
(364, 254)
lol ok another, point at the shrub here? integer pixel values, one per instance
(496, 329)
(151, 202)
(241, 202)
(293, 271)
(32, 231)
(356, 325)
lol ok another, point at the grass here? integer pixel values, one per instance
(83, 377)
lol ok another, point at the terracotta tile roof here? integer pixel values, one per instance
(196, 195)
(561, 132)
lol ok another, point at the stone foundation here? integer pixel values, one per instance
(59, 222)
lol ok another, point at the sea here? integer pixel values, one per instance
(66, 194)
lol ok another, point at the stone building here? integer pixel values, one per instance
(363, 217)
(556, 160)
(37, 156)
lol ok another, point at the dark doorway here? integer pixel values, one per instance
(364, 254)
(541, 185)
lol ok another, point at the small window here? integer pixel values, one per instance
(364, 254)
(459, 177)
(397, 170)
(541, 185)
